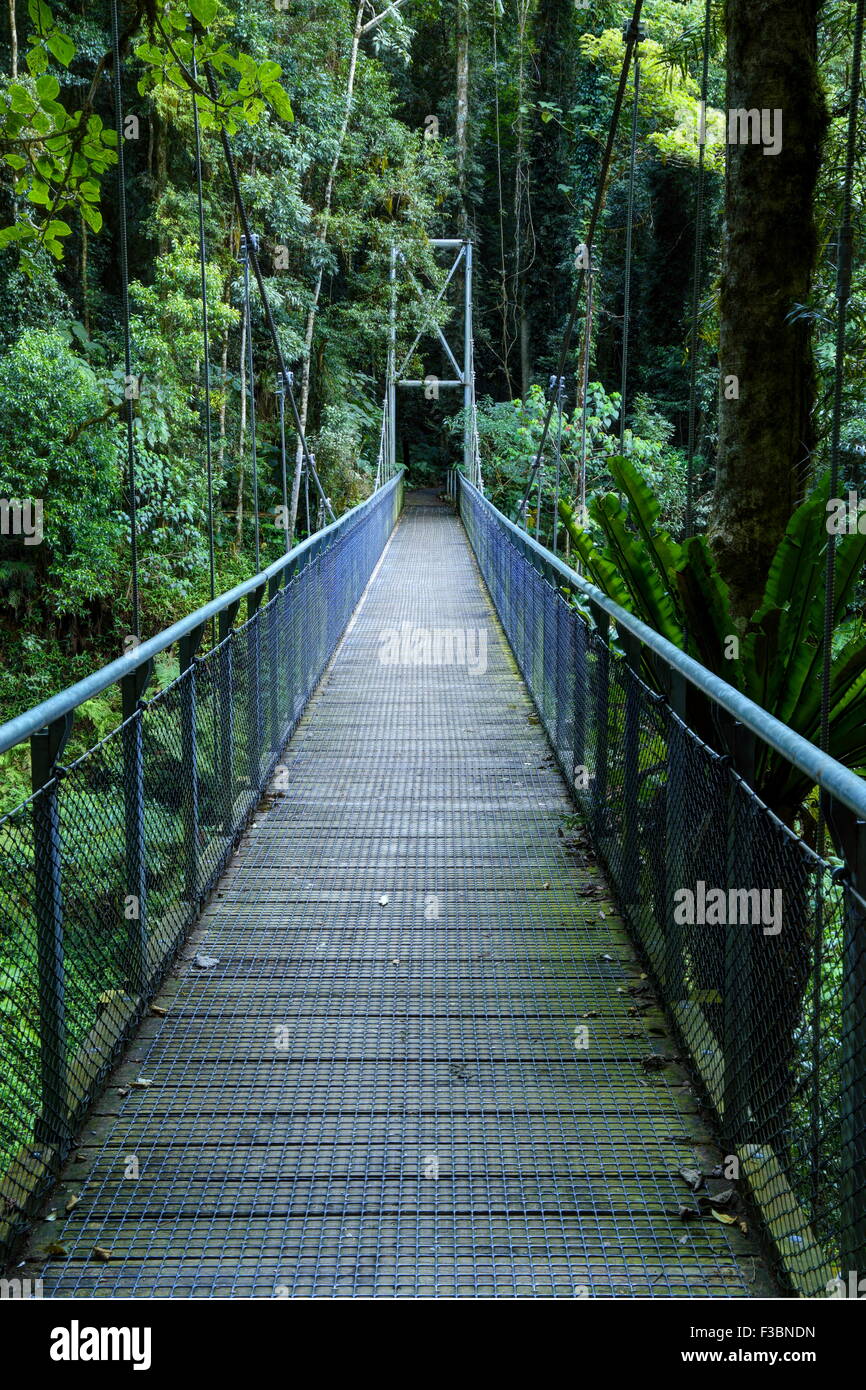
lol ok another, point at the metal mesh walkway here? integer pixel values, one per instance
(425, 1061)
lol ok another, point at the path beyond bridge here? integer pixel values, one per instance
(426, 1061)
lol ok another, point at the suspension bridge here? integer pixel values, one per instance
(349, 964)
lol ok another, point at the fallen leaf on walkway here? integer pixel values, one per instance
(723, 1216)
(142, 1082)
(55, 1250)
(721, 1199)
(384, 900)
(71, 1204)
(100, 1253)
(692, 1177)
(158, 1011)
(205, 962)
(654, 1062)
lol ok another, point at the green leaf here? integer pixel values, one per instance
(91, 215)
(15, 161)
(37, 59)
(651, 600)
(704, 597)
(61, 46)
(644, 511)
(280, 102)
(204, 11)
(47, 87)
(19, 97)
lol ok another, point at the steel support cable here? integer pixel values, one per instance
(626, 302)
(127, 341)
(631, 41)
(284, 480)
(585, 391)
(260, 281)
(696, 273)
(559, 388)
(248, 249)
(205, 334)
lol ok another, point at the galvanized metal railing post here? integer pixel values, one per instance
(226, 765)
(46, 746)
(631, 768)
(189, 761)
(274, 586)
(254, 687)
(602, 699)
(740, 1081)
(579, 767)
(853, 1064)
(132, 688)
(675, 857)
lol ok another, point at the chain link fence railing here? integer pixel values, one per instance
(757, 945)
(106, 866)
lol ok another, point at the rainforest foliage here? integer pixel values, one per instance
(442, 118)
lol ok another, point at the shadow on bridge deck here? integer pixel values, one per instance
(425, 1061)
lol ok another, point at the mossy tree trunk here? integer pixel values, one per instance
(766, 434)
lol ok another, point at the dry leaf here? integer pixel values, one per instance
(205, 962)
(158, 1011)
(100, 1253)
(55, 1250)
(692, 1176)
(142, 1082)
(723, 1216)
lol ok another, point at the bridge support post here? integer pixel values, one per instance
(581, 682)
(468, 368)
(737, 1004)
(254, 689)
(853, 1066)
(274, 711)
(602, 696)
(631, 767)
(132, 688)
(189, 761)
(676, 857)
(46, 746)
(226, 767)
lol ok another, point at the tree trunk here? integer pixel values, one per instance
(13, 40)
(304, 403)
(765, 416)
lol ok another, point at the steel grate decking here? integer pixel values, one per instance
(385, 1098)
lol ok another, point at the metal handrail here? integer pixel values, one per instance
(64, 704)
(842, 784)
